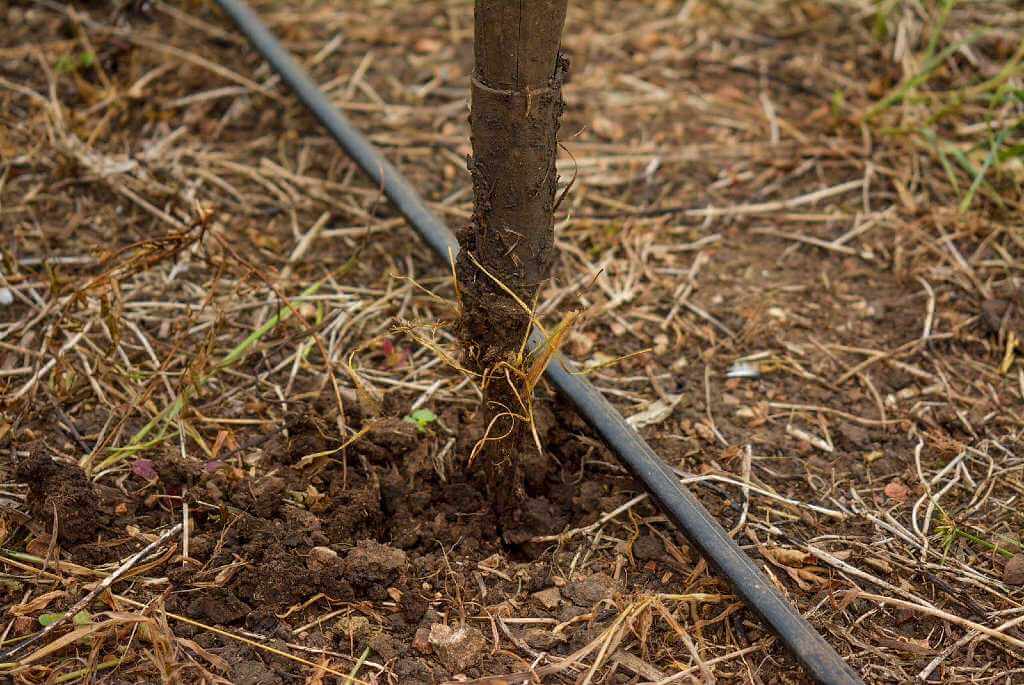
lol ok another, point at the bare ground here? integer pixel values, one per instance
(802, 220)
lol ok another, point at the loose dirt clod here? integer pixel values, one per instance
(394, 437)
(421, 641)
(60, 490)
(541, 638)
(353, 629)
(219, 605)
(457, 648)
(321, 558)
(549, 598)
(648, 547)
(590, 590)
(371, 564)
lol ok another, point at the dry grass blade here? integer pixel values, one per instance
(943, 615)
(78, 634)
(100, 587)
(832, 276)
(171, 411)
(252, 643)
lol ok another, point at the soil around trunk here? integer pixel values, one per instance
(780, 308)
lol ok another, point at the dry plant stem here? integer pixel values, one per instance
(262, 646)
(946, 616)
(100, 587)
(507, 248)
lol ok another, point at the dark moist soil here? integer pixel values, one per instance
(370, 548)
(377, 528)
(61, 494)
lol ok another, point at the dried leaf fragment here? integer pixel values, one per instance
(897, 490)
(1013, 572)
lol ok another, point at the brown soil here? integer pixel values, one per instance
(160, 193)
(60, 494)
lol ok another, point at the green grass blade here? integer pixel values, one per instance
(993, 153)
(933, 42)
(171, 411)
(282, 314)
(939, 150)
(899, 92)
(966, 165)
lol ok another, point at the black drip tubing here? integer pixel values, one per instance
(679, 504)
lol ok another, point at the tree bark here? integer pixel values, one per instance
(516, 105)
(515, 111)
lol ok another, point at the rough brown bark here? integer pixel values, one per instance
(515, 111)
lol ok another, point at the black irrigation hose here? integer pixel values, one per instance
(823, 663)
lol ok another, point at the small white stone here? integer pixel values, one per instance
(6, 297)
(457, 648)
(744, 370)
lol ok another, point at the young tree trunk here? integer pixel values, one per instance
(508, 245)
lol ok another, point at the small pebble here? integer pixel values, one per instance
(590, 591)
(457, 648)
(549, 598)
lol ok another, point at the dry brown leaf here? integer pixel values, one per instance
(786, 557)
(896, 490)
(38, 546)
(36, 604)
(215, 661)
(849, 597)
(1013, 572)
(226, 574)
(655, 413)
(806, 578)
(79, 633)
